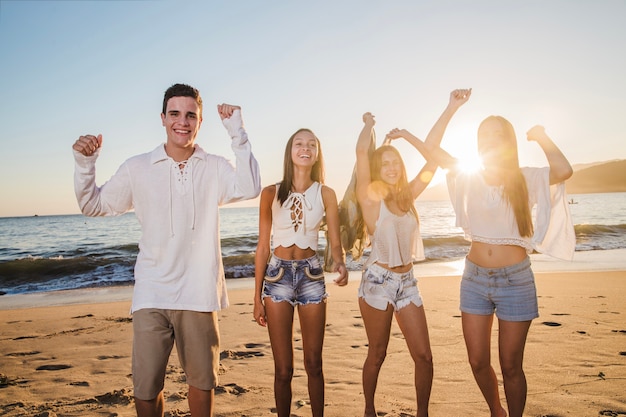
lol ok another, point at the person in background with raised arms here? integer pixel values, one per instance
(291, 213)
(493, 206)
(175, 190)
(388, 285)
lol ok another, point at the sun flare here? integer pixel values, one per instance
(470, 163)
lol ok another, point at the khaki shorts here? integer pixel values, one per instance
(197, 344)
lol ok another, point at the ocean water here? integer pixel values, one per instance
(47, 253)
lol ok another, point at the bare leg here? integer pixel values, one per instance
(412, 322)
(150, 408)
(477, 333)
(378, 327)
(511, 343)
(200, 402)
(280, 329)
(313, 323)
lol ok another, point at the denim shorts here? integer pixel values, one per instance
(380, 286)
(509, 291)
(297, 282)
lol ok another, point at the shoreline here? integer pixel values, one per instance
(584, 261)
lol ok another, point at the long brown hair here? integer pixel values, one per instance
(317, 173)
(514, 184)
(402, 193)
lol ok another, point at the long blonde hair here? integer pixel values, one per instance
(402, 193)
(514, 184)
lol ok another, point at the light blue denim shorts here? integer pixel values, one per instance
(297, 282)
(380, 286)
(509, 291)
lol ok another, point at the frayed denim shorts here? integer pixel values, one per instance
(509, 291)
(297, 282)
(380, 286)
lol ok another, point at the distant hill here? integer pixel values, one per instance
(595, 177)
(609, 177)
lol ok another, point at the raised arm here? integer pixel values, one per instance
(560, 168)
(362, 157)
(245, 181)
(430, 147)
(366, 144)
(433, 140)
(114, 197)
(457, 99)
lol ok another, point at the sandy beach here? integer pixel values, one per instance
(68, 353)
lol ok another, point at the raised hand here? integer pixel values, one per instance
(394, 133)
(368, 119)
(459, 97)
(87, 144)
(536, 133)
(226, 110)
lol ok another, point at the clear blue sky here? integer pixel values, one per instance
(75, 67)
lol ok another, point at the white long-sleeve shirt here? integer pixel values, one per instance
(179, 265)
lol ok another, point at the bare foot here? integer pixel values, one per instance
(502, 413)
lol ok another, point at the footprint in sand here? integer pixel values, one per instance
(241, 354)
(122, 397)
(551, 323)
(120, 319)
(32, 352)
(612, 413)
(105, 357)
(619, 331)
(177, 396)
(230, 389)
(6, 381)
(54, 367)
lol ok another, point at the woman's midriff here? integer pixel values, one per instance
(293, 252)
(495, 256)
(397, 269)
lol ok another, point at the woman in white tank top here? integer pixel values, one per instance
(293, 277)
(388, 285)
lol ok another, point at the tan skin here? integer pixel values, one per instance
(477, 328)
(278, 317)
(182, 121)
(411, 319)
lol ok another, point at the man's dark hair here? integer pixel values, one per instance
(182, 90)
